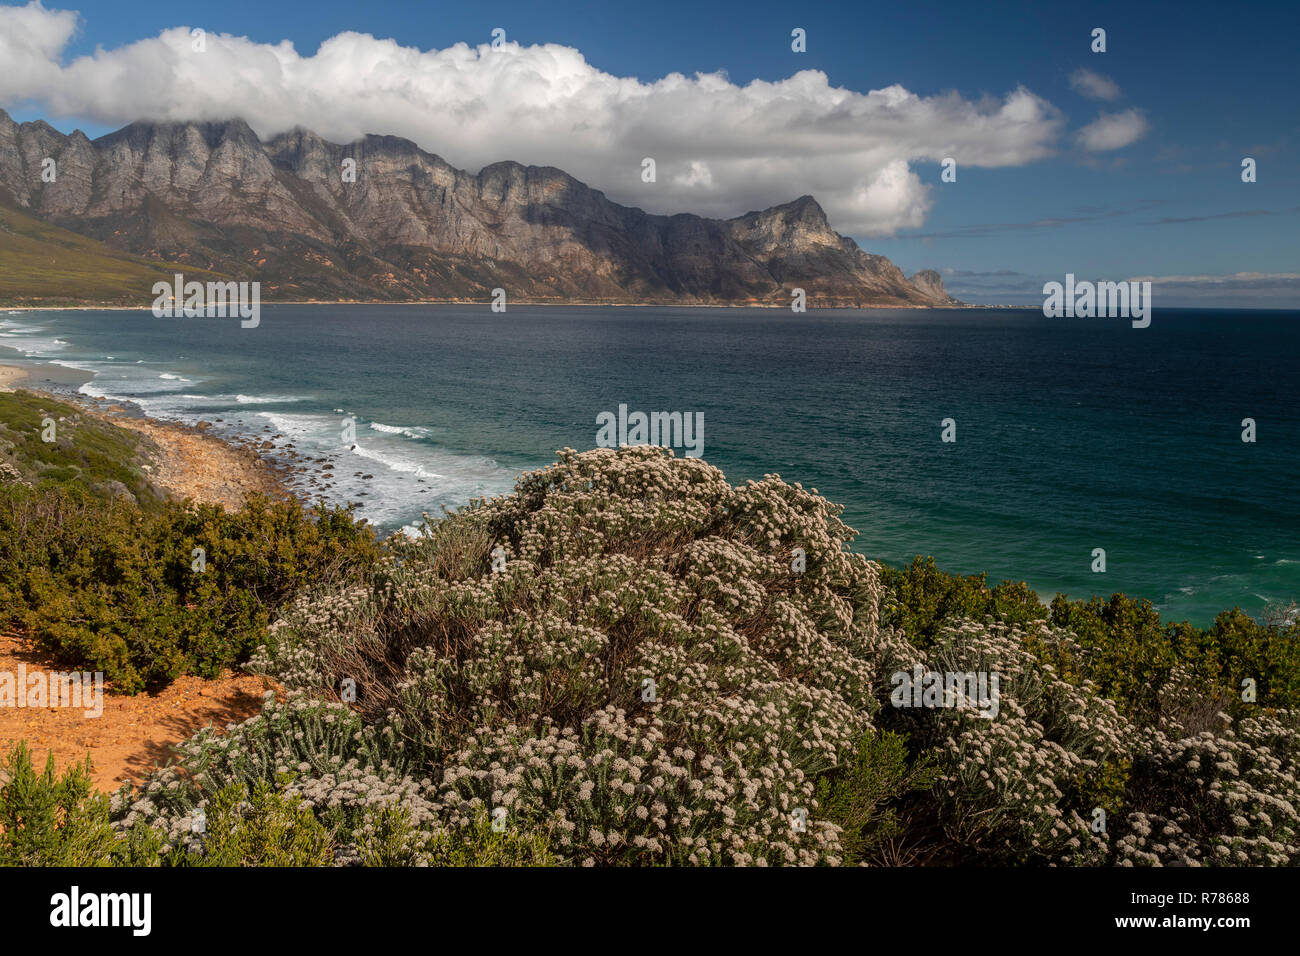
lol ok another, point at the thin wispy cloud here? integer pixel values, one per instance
(1095, 86)
(1270, 290)
(1258, 281)
(1088, 214)
(1259, 289)
(978, 230)
(1240, 214)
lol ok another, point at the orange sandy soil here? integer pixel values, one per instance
(133, 734)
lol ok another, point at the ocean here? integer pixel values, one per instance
(1070, 434)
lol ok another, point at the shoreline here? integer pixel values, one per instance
(583, 304)
(208, 461)
(182, 461)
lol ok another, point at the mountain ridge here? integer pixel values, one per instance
(412, 227)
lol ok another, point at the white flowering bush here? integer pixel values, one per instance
(320, 752)
(630, 661)
(1226, 798)
(651, 676)
(316, 759)
(1018, 787)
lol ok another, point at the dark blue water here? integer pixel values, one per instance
(1072, 434)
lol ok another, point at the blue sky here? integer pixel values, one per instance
(1208, 84)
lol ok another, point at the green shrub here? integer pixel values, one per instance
(863, 795)
(924, 599)
(1124, 646)
(107, 586)
(1131, 655)
(48, 820)
(389, 839)
(87, 453)
(51, 820)
(258, 827)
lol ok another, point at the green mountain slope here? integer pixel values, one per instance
(42, 264)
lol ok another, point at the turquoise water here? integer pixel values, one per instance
(1072, 434)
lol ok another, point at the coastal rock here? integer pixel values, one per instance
(931, 283)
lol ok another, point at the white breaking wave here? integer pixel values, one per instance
(91, 390)
(265, 399)
(302, 426)
(35, 345)
(415, 432)
(392, 472)
(395, 464)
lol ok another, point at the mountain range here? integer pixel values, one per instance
(212, 196)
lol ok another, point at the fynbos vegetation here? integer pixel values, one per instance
(629, 661)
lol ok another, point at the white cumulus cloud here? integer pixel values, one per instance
(1113, 130)
(720, 148)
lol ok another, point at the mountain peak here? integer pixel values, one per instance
(805, 209)
(806, 206)
(798, 225)
(213, 133)
(930, 283)
(408, 226)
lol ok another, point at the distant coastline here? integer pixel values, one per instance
(92, 307)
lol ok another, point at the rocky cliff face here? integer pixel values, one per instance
(411, 226)
(931, 283)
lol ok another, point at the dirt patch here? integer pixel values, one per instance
(133, 734)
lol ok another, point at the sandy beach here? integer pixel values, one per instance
(43, 377)
(11, 375)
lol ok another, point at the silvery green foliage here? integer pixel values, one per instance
(1011, 784)
(346, 771)
(298, 736)
(1226, 798)
(523, 687)
(519, 687)
(167, 802)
